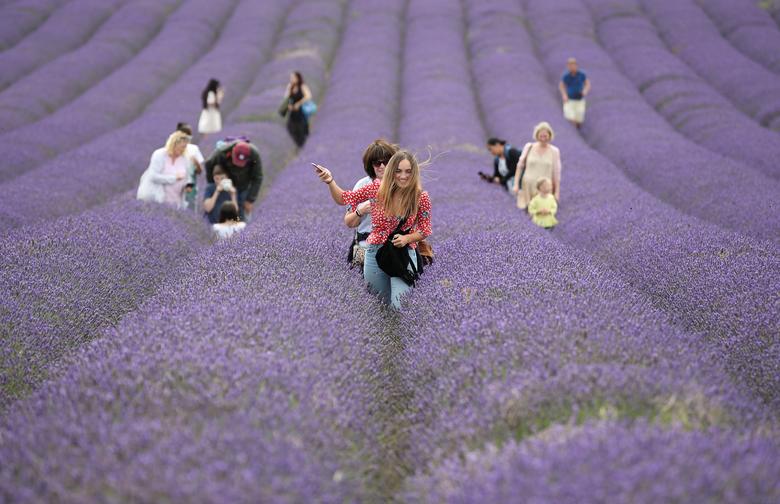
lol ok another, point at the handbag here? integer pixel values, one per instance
(425, 251)
(394, 261)
(525, 161)
(283, 107)
(357, 254)
(309, 108)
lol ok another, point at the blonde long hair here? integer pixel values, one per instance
(176, 138)
(394, 199)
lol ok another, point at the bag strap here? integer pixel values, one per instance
(530, 146)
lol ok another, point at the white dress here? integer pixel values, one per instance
(226, 230)
(210, 118)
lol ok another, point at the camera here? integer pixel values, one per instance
(227, 184)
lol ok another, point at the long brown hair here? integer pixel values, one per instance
(396, 200)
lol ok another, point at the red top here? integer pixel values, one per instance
(383, 224)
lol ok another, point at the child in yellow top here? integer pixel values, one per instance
(543, 206)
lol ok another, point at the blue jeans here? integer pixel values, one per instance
(510, 184)
(240, 199)
(389, 289)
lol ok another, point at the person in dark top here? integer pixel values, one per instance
(241, 162)
(297, 94)
(574, 87)
(221, 191)
(504, 163)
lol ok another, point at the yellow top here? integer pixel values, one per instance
(539, 203)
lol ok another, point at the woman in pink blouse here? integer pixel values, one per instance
(397, 197)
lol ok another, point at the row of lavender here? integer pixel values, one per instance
(582, 390)
(50, 86)
(82, 17)
(689, 269)
(19, 19)
(112, 163)
(482, 360)
(34, 343)
(225, 387)
(151, 81)
(749, 28)
(651, 152)
(689, 31)
(39, 332)
(684, 99)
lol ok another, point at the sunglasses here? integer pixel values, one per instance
(377, 164)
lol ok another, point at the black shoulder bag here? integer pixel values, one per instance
(394, 261)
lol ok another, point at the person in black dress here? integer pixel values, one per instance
(297, 94)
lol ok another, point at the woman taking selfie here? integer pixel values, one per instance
(401, 217)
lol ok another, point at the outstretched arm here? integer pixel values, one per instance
(336, 192)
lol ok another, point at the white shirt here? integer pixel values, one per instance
(365, 225)
(193, 151)
(155, 179)
(502, 169)
(226, 230)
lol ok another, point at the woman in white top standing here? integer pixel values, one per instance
(210, 117)
(540, 159)
(165, 178)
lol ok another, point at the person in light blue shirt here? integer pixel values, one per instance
(375, 158)
(574, 87)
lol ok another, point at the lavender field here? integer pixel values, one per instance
(631, 355)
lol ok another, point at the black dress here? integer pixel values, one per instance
(297, 124)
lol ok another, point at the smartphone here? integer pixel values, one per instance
(317, 167)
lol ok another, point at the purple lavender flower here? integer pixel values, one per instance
(50, 40)
(690, 33)
(53, 85)
(748, 28)
(18, 19)
(610, 463)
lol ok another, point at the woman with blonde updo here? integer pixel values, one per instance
(539, 159)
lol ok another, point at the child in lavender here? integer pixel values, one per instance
(229, 221)
(543, 206)
(574, 87)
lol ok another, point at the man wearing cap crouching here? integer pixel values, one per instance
(241, 161)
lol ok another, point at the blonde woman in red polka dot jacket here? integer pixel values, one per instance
(398, 195)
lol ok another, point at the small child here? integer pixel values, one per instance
(229, 223)
(543, 206)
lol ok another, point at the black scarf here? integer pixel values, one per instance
(395, 261)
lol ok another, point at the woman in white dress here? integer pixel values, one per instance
(165, 178)
(210, 117)
(541, 159)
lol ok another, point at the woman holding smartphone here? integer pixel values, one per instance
(400, 214)
(375, 159)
